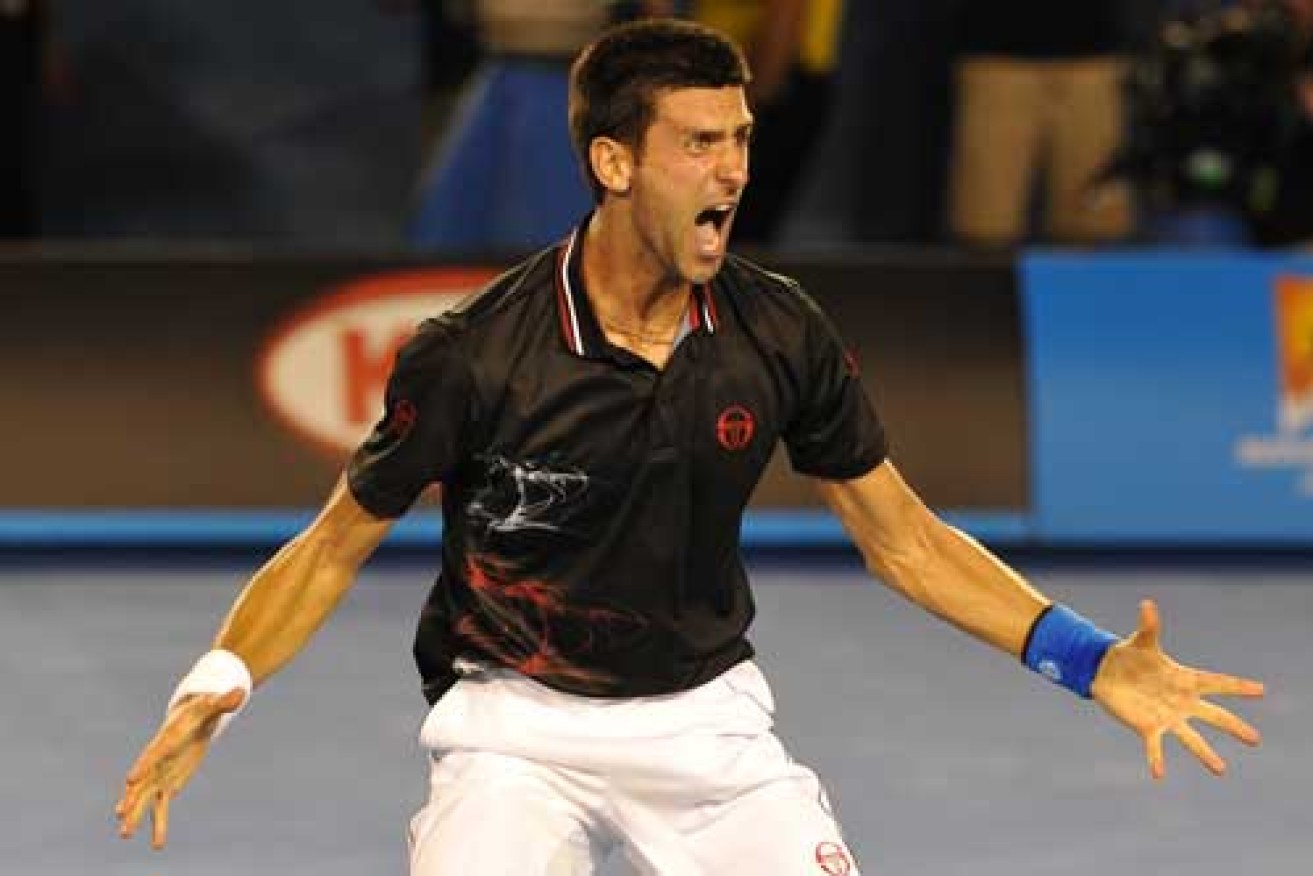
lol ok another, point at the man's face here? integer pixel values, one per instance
(690, 171)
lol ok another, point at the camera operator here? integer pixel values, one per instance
(1289, 221)
(1221, 127)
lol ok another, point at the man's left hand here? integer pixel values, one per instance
(1151, 693)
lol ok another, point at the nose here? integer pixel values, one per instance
(733, 166)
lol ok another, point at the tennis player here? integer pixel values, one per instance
(597, 419)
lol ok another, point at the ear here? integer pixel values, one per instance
(612, 163)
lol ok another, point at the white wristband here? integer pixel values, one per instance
(217, 672)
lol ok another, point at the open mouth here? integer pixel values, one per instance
(715, 216)
(710, 225)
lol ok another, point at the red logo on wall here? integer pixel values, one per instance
(323, 370)
(833, 859)
(734, 428)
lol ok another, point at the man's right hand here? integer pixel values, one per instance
(168, 761)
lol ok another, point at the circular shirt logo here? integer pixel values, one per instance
(401, 419)
(833, 859)
(734, 428)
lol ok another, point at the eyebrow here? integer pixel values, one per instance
(718, 133)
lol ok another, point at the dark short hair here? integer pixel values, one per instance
(615, 81)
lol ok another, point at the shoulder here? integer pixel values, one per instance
(761, 294)
(516, 294)
(520, 294)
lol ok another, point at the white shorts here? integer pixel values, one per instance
(528, 781)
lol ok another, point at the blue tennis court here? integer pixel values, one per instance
(941, 756)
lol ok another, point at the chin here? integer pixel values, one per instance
(702, 270)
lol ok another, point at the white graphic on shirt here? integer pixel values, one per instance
(524, 496)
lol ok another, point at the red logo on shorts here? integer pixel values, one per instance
(734, 428)
(833, 859)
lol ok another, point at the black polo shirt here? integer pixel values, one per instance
(592, 502)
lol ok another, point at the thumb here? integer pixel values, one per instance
(201, 703)
(1149, 634)
(230, 701)
(219, 708)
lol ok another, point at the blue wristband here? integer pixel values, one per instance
(1066, 648)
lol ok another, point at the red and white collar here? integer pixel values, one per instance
(579, 325)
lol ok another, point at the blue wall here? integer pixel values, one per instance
(1154, 390)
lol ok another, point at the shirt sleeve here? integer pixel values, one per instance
(427, 409)
(835, 433)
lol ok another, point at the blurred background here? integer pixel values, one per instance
(326, 125)
(1068, 243)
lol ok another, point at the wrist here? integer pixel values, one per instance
(216, 672)
(1066, 648)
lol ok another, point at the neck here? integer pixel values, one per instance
(625, 282)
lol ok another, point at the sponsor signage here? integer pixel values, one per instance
(323, 371)
(1288, 446)
(200, 397)
(1172, 396)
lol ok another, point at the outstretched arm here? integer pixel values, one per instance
(947, 573)
(286, 601)
(294, 593)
